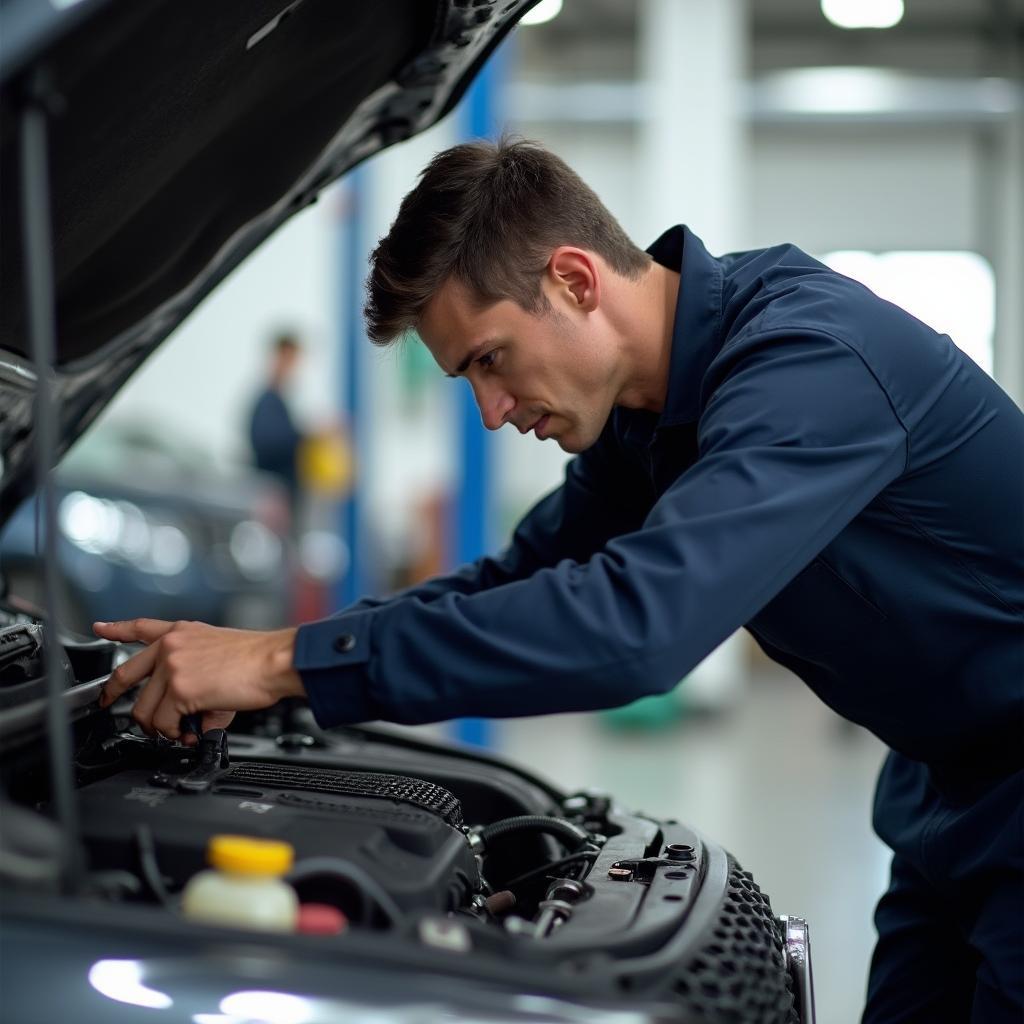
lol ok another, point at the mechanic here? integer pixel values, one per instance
(761, 442)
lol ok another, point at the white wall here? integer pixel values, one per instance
(859, 188)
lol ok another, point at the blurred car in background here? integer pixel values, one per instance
(152, 527)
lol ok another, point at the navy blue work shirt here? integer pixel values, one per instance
(827, 471)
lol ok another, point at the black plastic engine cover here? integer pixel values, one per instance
(402, 838)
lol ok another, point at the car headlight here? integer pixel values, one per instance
(170, 552)
(121, 532)
(255, 549)
(92, 524)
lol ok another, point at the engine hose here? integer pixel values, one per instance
(370, 891)
(572, 836)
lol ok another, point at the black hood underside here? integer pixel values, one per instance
(182, 134)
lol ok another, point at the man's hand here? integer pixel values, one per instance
(195, 668)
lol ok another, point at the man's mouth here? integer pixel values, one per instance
(540, 427)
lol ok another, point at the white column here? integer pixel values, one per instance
(691, 156)
(691, 168)
(1008, 259)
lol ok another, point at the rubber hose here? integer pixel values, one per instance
(571, 835)
(370, 891)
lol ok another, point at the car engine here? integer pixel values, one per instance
(432, 847)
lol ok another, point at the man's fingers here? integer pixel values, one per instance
(166, 718)
(128, 674)
(217, 719)
(132, 630)
(148, 701)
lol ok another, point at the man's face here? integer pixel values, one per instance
(286, 359)
(549, 372)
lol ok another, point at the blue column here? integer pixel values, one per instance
(472, 522)
(351, 258)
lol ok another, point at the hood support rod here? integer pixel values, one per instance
(40, 101)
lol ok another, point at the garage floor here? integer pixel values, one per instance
(778, 780)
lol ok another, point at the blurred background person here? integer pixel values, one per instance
(273, 435)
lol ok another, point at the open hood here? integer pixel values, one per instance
(183, 133)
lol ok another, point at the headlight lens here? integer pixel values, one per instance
(121, 532)
(256, 550)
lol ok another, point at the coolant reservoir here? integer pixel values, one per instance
(243, 888)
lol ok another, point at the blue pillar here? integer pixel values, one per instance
(479, 118)
(351, 258)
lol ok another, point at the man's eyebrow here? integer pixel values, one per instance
(473, 353)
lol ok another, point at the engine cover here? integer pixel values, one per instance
(402, 831)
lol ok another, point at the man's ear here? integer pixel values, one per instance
(575, 272)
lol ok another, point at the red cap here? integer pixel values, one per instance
(320, 919)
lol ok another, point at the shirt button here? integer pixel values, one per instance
(344, 643)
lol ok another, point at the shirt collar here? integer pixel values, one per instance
(698, 317)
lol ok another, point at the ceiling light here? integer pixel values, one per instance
(544, 11)
(863, 13)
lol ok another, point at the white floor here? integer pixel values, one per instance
(779, 781)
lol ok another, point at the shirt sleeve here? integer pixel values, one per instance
(796, 439)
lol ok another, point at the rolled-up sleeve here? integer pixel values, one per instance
(796, 438)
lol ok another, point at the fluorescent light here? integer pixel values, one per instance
(863, 13)
(544, 11)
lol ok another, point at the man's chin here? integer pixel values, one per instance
(571, 443)
(572, 440)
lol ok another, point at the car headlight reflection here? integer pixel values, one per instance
(268, 1007)
(121, 532)
(121, 980)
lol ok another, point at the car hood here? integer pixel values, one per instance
(183, 133)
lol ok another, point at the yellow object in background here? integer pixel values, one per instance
(326, 464)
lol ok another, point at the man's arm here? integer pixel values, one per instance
(794, 443)
(195, 667)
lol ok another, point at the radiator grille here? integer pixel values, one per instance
(401, 788)
(740, 975)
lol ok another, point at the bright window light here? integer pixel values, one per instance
(544, 11)
(863, 13)
(952, 292)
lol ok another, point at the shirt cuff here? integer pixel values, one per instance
(331, 657)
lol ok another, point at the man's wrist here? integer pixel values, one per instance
(284, 679)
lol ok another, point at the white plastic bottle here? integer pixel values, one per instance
(243, 888)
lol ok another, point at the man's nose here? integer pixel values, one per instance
(495, 405)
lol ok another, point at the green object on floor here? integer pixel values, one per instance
(648, 713)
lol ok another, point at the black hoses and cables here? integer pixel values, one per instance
(571, 836)
(371, 892)
(584, 858)
(148, 866)
(37, 240)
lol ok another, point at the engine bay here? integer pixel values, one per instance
(422, 844)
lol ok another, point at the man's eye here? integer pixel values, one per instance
(486, 360)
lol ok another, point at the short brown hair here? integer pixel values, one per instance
(489, 215)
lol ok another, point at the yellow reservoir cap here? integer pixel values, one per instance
(243, 855)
